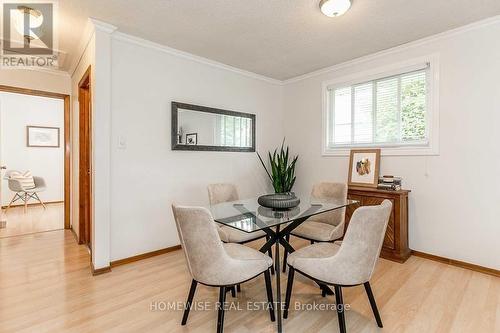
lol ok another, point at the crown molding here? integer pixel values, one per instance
(102, 26)
(178, 53)
(419, 42)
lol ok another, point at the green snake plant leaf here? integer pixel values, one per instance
(282, 170)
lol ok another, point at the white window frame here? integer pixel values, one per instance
(431, 147)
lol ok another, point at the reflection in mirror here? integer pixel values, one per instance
(209, 129)
(201, 128)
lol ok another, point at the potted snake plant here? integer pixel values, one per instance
(282, 169)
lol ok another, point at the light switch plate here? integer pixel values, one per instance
(122, 142)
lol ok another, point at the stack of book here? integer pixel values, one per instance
(389, 183)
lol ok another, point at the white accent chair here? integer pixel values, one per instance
(347, 263)
(216, 264)
(23, 193)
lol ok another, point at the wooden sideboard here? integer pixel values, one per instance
(395, 245)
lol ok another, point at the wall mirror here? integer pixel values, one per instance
(202, 128)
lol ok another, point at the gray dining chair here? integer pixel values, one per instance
(220, 193)
(23, 192)
(346, 264)
(216, 264)
(325, 227)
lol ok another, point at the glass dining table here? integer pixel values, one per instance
(248, 216)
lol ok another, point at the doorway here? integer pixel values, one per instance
(35, 177)
(85, 158)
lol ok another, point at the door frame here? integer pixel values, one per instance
(67, 140)
(85, 225)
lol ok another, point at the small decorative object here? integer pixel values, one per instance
(282, 173)
(179, 135)
(279, 200)
(389, 183)
(40, 136)
(364, 167)
(192, 139)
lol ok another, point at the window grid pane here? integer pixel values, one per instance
(390, 110)
(342, 116)
(363, 113)
(234, 131)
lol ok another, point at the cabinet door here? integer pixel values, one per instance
(389, 240)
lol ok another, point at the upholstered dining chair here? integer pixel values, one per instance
(215, 264)
(326, 227)
(219, 193)
(346, 264)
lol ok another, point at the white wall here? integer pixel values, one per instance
(58, 82)
(147, 176)
(18, 111)
(454, 203)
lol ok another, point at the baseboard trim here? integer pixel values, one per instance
(458, 263)
(144, 256)
(99, 271)
(74, 234)
(34, 204)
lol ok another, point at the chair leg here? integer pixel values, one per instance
(373, 304)
(38, 198)
(189, 302)
(25, 202)
(340, 308)
(285, 255)
(267, 277)
(288, 296)
(14, 199)
(220, 315)
(270, 253)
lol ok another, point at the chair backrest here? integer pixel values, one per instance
(8, 173)
(218, 193)
(19, 181)
(199, 240)
(363, 240)
(335, 192)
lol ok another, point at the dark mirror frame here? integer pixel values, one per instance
(175, 146)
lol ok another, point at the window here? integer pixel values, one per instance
(389, 111)
(233, 131)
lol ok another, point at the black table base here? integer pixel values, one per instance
(277, 238)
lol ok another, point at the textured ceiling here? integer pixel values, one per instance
(280, 39)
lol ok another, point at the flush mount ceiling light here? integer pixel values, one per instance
(334, 8)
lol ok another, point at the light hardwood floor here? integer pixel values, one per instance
(46, 286)
(36, 219)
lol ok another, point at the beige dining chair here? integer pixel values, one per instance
(325, 227)
(346, 264)
(215, 264)
(220, 193)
